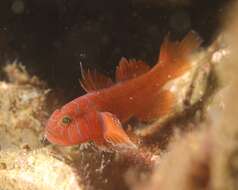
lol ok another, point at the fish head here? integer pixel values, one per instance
(68, 125)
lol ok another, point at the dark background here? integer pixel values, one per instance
(51, 37)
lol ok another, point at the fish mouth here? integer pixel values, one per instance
(53, 138)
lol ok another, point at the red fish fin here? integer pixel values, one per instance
(92, 80)
(128, 69)
(163, 105)
(113, 132)
(173, 55)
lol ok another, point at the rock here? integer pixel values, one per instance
(36, 170)
(185, 165)
(22, 110)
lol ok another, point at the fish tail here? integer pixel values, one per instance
(174, 57)
(173, 62)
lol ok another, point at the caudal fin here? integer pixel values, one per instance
(173, 60)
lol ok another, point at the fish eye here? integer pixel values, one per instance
(66, 120)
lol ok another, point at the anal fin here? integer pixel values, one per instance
(163, 105)
(113, 132)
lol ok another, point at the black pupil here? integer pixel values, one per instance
(66, 120)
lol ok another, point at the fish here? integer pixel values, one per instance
(137, 92)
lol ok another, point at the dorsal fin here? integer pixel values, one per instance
(130, 69)
(92, 80)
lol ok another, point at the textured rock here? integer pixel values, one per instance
(22, 109)
(36, 170)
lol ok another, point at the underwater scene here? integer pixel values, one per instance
(118, 95)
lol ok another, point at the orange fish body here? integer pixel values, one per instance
(97, 116)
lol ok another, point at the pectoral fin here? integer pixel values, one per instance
(113, 132)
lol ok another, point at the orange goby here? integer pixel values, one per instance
(137, 92)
